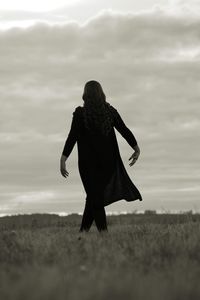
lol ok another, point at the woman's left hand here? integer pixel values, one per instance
(135, 155)
(63, 170)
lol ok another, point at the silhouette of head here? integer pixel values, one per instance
(97, 111)
(93, 90)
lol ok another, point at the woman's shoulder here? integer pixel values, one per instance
(78, 109)
(113, 110)
(112, 107)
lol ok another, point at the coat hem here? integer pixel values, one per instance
(127, 200)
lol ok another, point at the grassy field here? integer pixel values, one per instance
(141, 257)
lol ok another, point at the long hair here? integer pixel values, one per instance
(97, 113)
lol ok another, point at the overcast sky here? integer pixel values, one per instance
(146, 56)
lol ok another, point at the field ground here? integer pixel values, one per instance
(141, 257)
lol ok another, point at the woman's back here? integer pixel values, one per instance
(102, 172)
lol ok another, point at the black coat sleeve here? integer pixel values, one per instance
(72, 136)
(124, 130)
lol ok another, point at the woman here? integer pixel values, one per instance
(102, 172)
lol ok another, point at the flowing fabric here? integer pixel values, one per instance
(101, 168)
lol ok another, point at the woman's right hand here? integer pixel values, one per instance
(135, 155)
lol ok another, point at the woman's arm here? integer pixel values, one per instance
(72, 136)
(128, 136)
(124, 130)
(69, 144)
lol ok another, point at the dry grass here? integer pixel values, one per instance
(142, 257)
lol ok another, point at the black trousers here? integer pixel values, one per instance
(93, 213)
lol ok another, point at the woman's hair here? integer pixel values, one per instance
(97, 113)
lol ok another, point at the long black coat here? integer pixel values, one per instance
(101, 168)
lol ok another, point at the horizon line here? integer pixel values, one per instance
(109, 213)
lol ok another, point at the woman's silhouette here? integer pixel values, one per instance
(102, 172)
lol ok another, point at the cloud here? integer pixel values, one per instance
(35, 196)
(148, 65)
(82, 11)
(37, 5)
